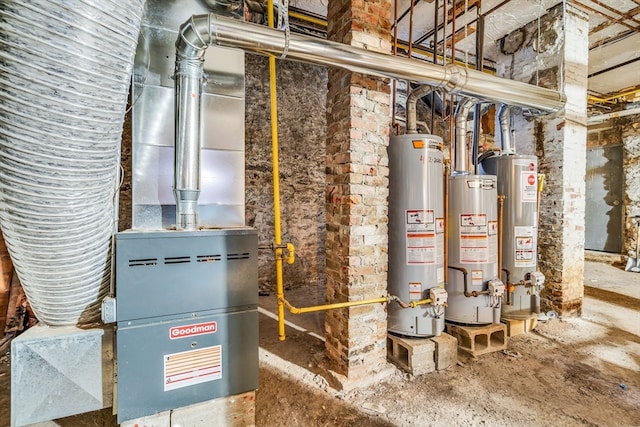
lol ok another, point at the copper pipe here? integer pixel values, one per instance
(395, 53)
(447, 171)
(410, 33)
(465, 274)
(435, 61)
(500, 232)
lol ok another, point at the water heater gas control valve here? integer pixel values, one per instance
(496, 288)
(438, 296)
(537, 279)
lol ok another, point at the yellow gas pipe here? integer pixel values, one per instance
(324, 307)
(276, 184)
(278, 246)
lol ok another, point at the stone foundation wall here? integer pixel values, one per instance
(302, 94)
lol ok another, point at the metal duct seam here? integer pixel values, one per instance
(65, 68)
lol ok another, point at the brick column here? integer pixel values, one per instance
(358, 121)
(556, 59)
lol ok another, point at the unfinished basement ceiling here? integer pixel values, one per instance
(614, 35)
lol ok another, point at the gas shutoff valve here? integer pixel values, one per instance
(496, 288)
(438, 296)
(537, 279)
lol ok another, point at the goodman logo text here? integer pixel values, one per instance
(193, 330)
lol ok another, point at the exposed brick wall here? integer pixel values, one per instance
(358, 121)
(557, 58)
(302, 91)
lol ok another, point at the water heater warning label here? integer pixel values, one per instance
(420, 237)
(474, 239)
(525, 247)
(192, 367)
(529, 185)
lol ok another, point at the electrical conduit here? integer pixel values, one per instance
(65, 67)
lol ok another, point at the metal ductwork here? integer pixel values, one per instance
(202, 30)
(461, 160)
(65, 68)
(412, 101)
(188, 81)
(505, 131)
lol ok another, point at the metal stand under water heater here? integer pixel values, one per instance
(416, 234)
(518, 181)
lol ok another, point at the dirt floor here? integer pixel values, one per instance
(568, 372)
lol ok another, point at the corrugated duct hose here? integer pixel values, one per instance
(65, 68)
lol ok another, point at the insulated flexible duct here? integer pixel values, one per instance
(65, 69)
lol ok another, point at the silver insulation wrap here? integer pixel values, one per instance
(65, 69)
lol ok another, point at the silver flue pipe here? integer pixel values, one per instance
(203, 30)
(188, 91)
(505, 131)
(459, 80)
(412, 103)
(461, 160)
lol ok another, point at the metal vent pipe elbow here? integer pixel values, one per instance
(412, 101)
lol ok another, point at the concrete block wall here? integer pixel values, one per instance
(358, 122)
(556, 58)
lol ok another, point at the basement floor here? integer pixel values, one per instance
(568, 372)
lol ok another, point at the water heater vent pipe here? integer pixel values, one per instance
(461, 160)
(505, 131)
(412, 101)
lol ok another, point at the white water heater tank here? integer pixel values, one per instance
(416, 232)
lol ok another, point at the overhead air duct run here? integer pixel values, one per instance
(65, 68)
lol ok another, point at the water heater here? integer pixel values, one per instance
(518, 181)
(416, 233)
(473, 283)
